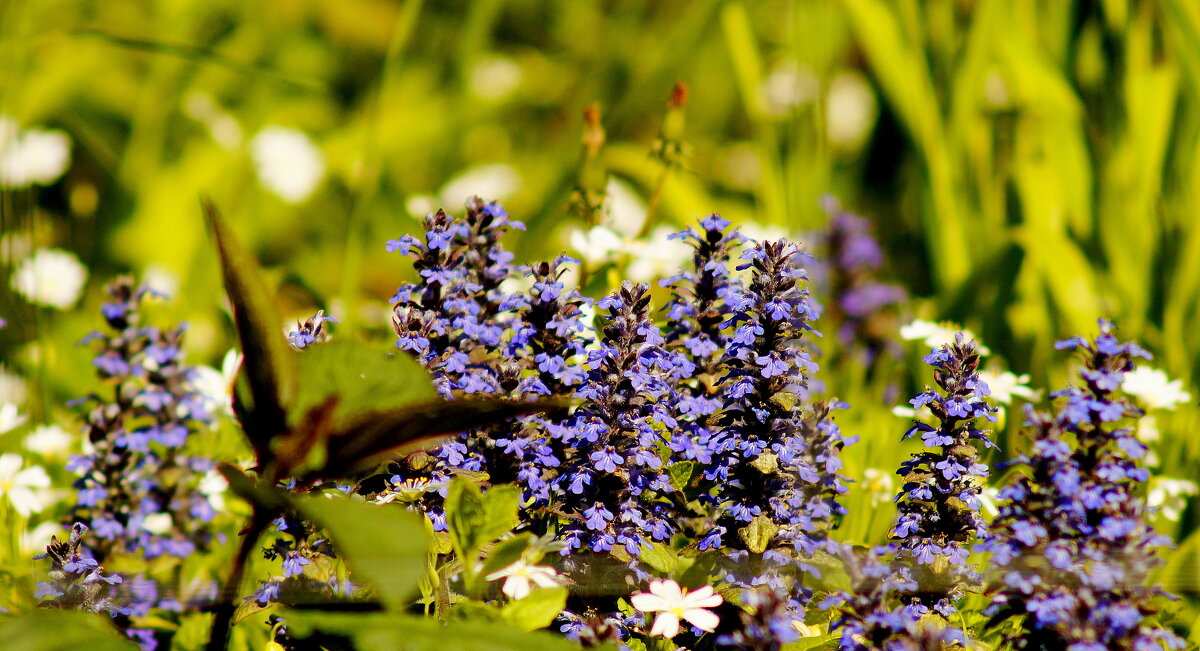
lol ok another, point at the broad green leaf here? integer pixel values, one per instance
(51, 630)
(268, 375)
(660, 558)
(263, 497)
(364, 378)
(391, 631)
(465, 518)
(681, 474)
(537, 609)
(371, 437)
(384, 545)
(506, 553)
(812, 643)
(758, 534)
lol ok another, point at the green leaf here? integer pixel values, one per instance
(821, 642)
(267, 380)
(537, 609)
(371, 437)
(660, 558)
(506, 553)
(364, 378)
(758, 534)
(51, 630)
(391, 631)
(681, 474)
(384, 545)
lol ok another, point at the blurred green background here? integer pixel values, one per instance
(1029, 166)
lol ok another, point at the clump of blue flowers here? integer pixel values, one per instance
(138, 488)
(939, 503)
(77, 581)
(1072, 543)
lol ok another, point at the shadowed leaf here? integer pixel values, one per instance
(267, 381)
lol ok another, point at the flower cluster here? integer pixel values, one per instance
(77, 581)
(137, 489)
(861, 308)
(939, 501)
(706, 426)
(1071, 542)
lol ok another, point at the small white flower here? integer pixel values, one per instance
(1170, 496)
(626, 209)
(493, 182)
(12, 387)
(674, 603)
(494, 78)
(938, 334)
(287, 162)
(35, 540)
(657, 256)
(10, 418)
(50, 441)
(880, 483)
(157, 523)
(29, 156)
(1153, 389)
(597, 245)
(849, 111)
(212, 486)
(216, 387)
(520, 577)
(25, 488)
(1005, 386)
(788, 85)
(50, 277)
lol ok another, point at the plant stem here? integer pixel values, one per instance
(218, 638)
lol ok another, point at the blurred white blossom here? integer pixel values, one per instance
(216, 387)
(287, 162)
(50, 277)
(626, 209)
(1153, 389)
(849, 111)
(10, 417)
(31, 156)
(50, 441)
(657, 256)
(494, 78)
(491, 182)
(222, 127)
(35, 540)
(937, 334)
(881, 485)
(157, 523)
(12, 388)
(1169, 496)
(1005, 386)
(27, 490)
(787, 86)
(212, 487)
(596, 245)
(520, 577)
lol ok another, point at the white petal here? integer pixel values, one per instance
(666, 625)
(668, 590)
(9, 464)
(648, 603)
(704, 598)
(516, 587)
(24, 500)
(33, 477)
(702, 619)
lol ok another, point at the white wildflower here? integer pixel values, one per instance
(213, 486)
(1153, 389)
(50, 277)
(597, 245)
(1005, 386)
(494, 78)
(674, 603)
(10, 418)
(937, 334)
(287, 162)
(216, 387)
(1169, 496)
(849, 111)
(880, 483)
(657, 256)
(157, 523)
(520, 577)
(492, 182)
(26, 489)
(626, 209)
(788, 85)
(31, 156)
(50, 441)
(35, 540)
